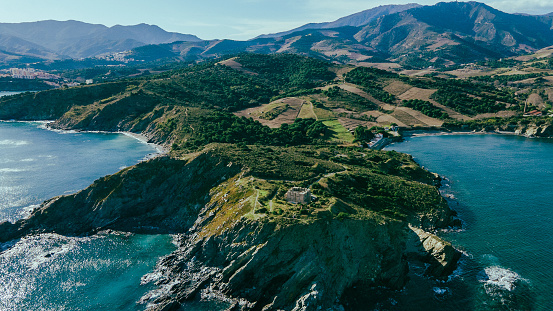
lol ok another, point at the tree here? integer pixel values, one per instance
(363, 134)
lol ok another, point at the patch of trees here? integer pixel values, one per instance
(226, 128)
(508, 78)
(500, 63)
(426, 108)
(466, 96)
(289, 71)
(362, 133)
(368, 78)
(18, 85)
(214, 87)
(548, 64)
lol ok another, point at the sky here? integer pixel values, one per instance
(218, 19)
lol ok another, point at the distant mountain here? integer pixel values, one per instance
(415, 36)
(56, 39)
(444, 34)
(356, 20)
(456, 31)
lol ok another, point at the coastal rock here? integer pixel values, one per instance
(545, 131)
(293, 267)
(441, 255)
(133, 200)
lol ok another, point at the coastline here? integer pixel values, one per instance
(421, 133)
(44, 124)
(161, 150)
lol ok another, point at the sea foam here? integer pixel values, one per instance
(500, 277)
(9, 142)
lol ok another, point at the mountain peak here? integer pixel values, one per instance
(356, 20)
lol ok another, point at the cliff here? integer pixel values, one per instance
(524, 126)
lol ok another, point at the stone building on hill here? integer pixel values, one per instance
(298, 195)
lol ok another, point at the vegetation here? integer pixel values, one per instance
(349, 182)
(348, 100)
(227, 128)
(426, 108)
(18, 85)
(467, 97)
(363, 134)
(369, 79)
(508, 78)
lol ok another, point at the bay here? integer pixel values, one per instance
(501, 187)
(37, 164)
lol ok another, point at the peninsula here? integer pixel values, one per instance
(222, 188)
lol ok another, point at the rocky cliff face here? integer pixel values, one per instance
(265, 266)
(161, 195)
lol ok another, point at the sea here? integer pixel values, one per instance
(502, 188)
(53, 272)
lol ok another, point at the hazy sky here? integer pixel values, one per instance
(211, 19)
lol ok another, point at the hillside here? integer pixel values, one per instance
(244, 130)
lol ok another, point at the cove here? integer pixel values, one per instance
(37, 164)
(501, 187)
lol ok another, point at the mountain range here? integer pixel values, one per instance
(445, 34)
(73, 39)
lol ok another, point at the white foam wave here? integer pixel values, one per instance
(9, 142)
(500, 277)
(26, 211)
(12, 170)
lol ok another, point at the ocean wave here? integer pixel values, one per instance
(12, 170)
(36, 251)
(499, 277)
(26, 211)
(9, 142)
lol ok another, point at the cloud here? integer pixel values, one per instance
(245, 29)
(528, 6)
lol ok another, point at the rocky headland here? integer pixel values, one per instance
(233, 247)
(221, 191)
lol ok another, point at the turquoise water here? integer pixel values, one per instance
(103, 272)
(37, 164)
(52, 272)
(501, 187)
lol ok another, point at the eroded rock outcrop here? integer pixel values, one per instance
(440, 254)
(295, 267)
